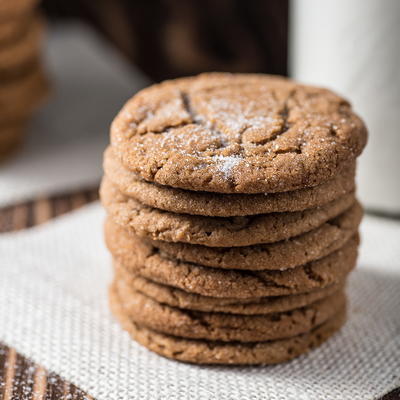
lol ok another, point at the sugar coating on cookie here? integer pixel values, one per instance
(285, 254)
(176, 297)
(215, 282)
(209, 231)
(237, 133)
(232, 218)
(223, 205)
(226, 327)
(215, 352)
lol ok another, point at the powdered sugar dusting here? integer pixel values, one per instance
(237, 117)
(226, 164)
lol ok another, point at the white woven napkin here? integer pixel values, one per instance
(63, 151)
(53, 308)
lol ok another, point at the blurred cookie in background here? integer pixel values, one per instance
(10, 138)
(23, 82)
(16, 8)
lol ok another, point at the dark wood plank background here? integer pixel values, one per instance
(36, 212)
(172, 38)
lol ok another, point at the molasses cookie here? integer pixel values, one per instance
(215, 282)
(21, 96)
(10, 139)
(223, 205)
(216, 352)
(25, 49)
(211, 231)
(179, 298)
(12, 29)
(237, 133)
(15, 8)
(225, 327)
(289, 253)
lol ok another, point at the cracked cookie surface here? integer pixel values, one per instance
(193, 278)
(175, 297)
(225, 327)
(212, 231)
(237, 133)
(289, 253)
(223, 205)
(217, 352)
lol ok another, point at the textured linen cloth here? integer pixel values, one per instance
(63, 149)
(53, 308)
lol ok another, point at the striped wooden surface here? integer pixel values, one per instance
(20, 378)
(36, 212)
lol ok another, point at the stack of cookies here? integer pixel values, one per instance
(232, 218)
(23, 84)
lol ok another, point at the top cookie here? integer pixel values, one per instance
(237, 133)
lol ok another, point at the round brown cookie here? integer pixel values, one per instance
(215, 231)
(214, 352)
(10, 139)
(237, 133)
(13, 28)
(16, 8)
(20, 97)
(285, 254)
(19, 72)
(225, 327)
(25, 49)
(223, 205)
(215, 282)
(179, 298)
